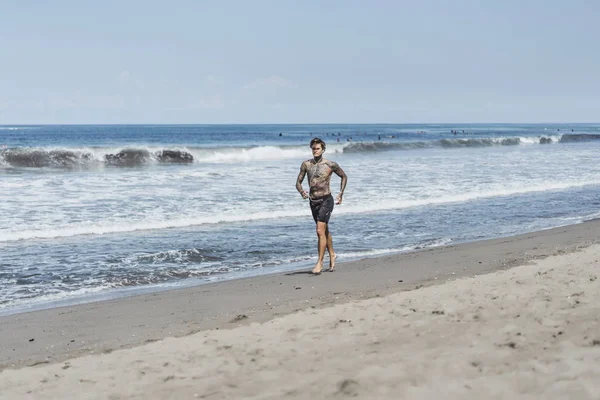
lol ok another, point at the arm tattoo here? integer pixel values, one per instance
(301, 176)
(340, 172)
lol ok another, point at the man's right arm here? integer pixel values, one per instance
(301, 176)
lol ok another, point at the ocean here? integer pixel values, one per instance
(104, 211)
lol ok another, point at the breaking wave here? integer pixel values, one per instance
(364, 147)
(575, 137)
(73, 158)
(131, 157)
(27, 157)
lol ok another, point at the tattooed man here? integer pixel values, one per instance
(319, 172)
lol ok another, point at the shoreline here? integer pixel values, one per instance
(54, 335)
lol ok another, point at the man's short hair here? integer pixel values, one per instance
(319, 141)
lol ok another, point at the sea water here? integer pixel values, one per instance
(97, 212)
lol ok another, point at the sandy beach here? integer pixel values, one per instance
(505, 318)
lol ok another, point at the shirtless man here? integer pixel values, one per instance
(319, 172)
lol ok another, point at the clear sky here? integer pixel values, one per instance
(309, 61)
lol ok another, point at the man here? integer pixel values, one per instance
(319, 172)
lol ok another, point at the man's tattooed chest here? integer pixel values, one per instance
(319, 172)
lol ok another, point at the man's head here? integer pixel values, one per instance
(318, 147)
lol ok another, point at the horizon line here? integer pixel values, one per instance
(296, 123)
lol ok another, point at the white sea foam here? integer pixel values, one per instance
(536, 139)
(263, 153)
(131, 226)
(28, 304)
(396, 204)
(40, 205)
(231, 215)
(259, 153)
(16, 128)
(379, 252)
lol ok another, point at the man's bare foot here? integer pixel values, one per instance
(318, 269)
(332, 262)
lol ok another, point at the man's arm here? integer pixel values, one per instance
(340, 172)
(301, 176)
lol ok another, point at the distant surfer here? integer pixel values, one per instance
(319, 172)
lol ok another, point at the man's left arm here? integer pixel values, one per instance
(335, 167)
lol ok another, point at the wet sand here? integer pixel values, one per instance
(377, 328)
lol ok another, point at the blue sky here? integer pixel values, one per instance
(299, 61)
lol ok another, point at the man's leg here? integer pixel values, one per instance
(321, 229)
(332, 255)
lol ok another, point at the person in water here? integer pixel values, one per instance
(319, 171)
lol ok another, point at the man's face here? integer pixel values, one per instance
(317, 150)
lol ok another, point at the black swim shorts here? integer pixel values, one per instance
(321, 208)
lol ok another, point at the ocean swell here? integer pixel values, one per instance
(369, 147)
(574, 137)
(67, 158)
(39, 158)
